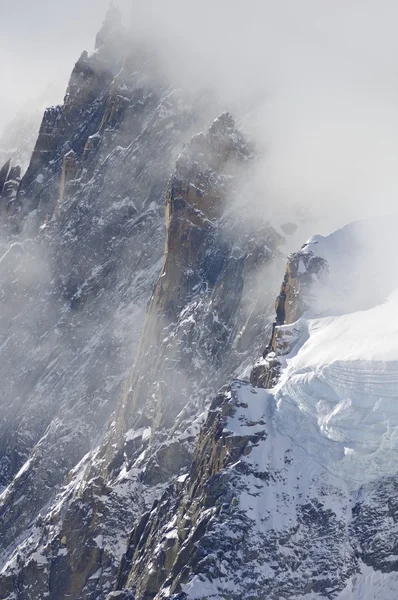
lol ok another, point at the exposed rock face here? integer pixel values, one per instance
(302, 271)
(220, 531)
(111, 35)
(173, 533)
(195, 312)
(75, 285)
(18, 138)
(83, 114)
(148, 489)
(107, 154)
(10, 188)
(257, 517)
(195, 201)
(69, 170)
(154, 436)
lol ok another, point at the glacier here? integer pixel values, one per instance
(338, 395)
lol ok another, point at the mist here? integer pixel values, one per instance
(313, 87)
(316, 85)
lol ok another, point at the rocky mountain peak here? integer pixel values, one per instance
(204, 181)
(111, 27)
(303, 270)
(137, 462)
(92, 105)
(221, 150)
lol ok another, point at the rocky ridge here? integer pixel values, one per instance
(89, 216)
(154, 431)
(303, 270)
(75, 296)
(257, 515)
(150, 489)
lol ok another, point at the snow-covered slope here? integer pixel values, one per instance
(292, 492)
(338, 393)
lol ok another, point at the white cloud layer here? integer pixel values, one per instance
(316, 82)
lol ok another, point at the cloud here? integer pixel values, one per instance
(316, 83)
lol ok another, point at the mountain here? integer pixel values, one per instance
(146, 452)
(291, 492)
(86, 229)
